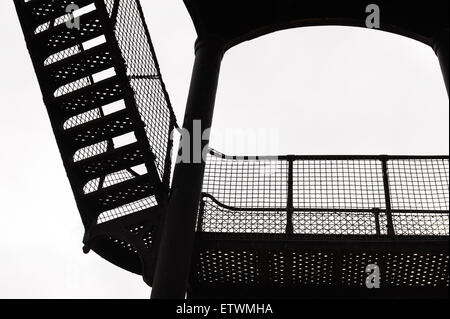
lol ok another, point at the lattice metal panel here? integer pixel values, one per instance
(419, 184)
(421, 223)
(145, 78)
(217, 219)
(340, 223)
(251, 183)
(338, 184)
(326, 195)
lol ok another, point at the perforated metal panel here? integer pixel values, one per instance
(274, 266)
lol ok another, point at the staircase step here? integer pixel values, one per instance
(79, 66)
(121, 220)
(86, 99)
(99, 130)
(61, 37)
(42, 11)
(120, 194)
(109, 162)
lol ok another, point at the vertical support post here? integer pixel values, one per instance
(376, 214)
(201, 214)
(178, 234)
(387, 195)
(441, 47)
(290, 197)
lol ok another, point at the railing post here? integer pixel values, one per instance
(201, 214)
(441, 47)
(387, 196)
(376, 214)
(178, 234)
(290, 197)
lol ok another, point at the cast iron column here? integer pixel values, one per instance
(440, 46)
(177, 241)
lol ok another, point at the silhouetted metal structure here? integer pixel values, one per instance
(289, 226)
(120, 189)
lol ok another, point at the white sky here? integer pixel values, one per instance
(324, 90)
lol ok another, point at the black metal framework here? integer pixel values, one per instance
(111, 117)
(303, 266)
(238, 260)
(308, 226)
(236, 21)
(387, 196)
(178, 233)
(289, 226)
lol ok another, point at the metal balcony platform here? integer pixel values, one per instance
(308, 226)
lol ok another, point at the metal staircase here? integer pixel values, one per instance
(286, 227)
(111, 117)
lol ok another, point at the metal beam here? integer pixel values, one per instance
(177, 242)
(440, 46)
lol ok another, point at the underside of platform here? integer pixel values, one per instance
(255, 266)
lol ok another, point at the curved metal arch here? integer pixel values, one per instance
(236, 21)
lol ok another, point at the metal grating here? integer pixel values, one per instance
(218, 219)
(338, 184)
(419, 184)
(297, 197)
(246, 183)
(326, 195)
(420, 270)
(145, 79)
(301, 268)
(107, 104)
(421, 223)
(253, 263)
(339, 223)
(237, 267)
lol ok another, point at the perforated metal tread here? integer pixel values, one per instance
(109, 123)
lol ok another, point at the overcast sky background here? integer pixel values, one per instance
(324, 90)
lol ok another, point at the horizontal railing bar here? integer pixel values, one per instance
(411, 211)
(414, 157)
(274, 238)
(328, 157)
(319, 210)
(272, 209)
